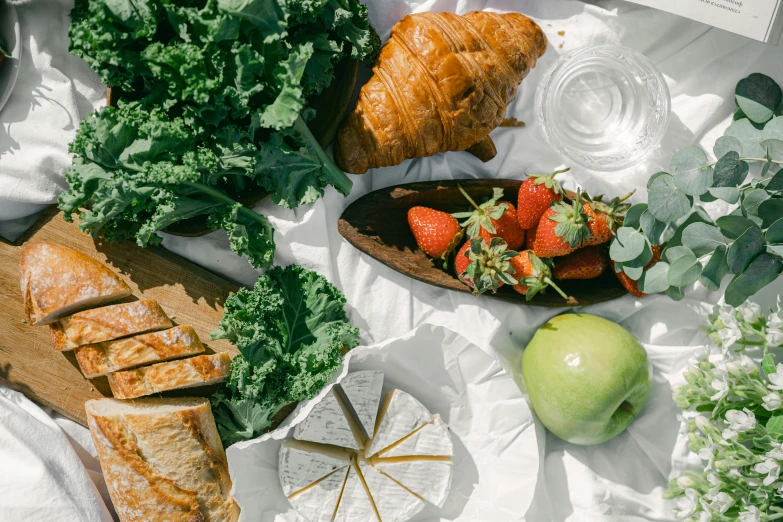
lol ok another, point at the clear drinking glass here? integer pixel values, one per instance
(604, 107)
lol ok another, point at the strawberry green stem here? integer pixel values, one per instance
(468, 197)
(551, 283)
(561, 171)
(626, 196)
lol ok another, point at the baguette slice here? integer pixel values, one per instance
(174, 375)
(110, 356)
(57, 281)
(107, 323)
(162, 460)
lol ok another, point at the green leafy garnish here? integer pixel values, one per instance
(290, 329)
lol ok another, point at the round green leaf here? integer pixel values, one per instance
(775, 183)
(761, 272)
(654, 280)
(751, 202)
(734, 226)
(733, 296)
(642, 260)
(633, 214)
(730, 171)
(728, 194)
(773, 130)
(674, 253)
(770, 211)
(684, 271)
(758, 96)
(633, 272)
(707, 197)
(702, 238)
(749, 136)
(666, 201)
(726, 144)
(691, 170)
(716, 269)
(774, 149)
(675, 293)
(775, 232)
(654, 177)
(652, 228)
(744, 249)
(627, 245)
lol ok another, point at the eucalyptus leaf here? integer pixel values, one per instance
(733, 226)
(764, 269)
(775, 250)
(642, 260)
(773, 130)
(654, 177)
(692, 171)
(699, 215)
(728, 194)
(702, 238)
(674, 253)
(633, 214)
(775, 183)
(733, 296)
(749, 136)
(627, 244)
(716, 269)
(751, 202)
(633, 272)
(726, 144)
(675, 293)
(770, 211)
(765, 169)
(707, 197)
(758, 96)
(730, 171)
(652, 228)
(666, 201)
(744, 249)
(774, 233)
(773, 149)
(684, 271)
(654, 280)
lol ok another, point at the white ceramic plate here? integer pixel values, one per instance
(11, 33)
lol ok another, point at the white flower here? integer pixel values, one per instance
(751, 515)
(729, 336)
(770, 468)
(776, 378)
(772, 401)
(774, 337)
(720, 502)
(776, 452)
(774, 320)
(747, 363)
(686, 506)
(699, 355)
(750, 312)
(722, 388)
(741, 421)
(728, 316)
(703, 516)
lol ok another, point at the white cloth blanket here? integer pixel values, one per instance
(623, 479)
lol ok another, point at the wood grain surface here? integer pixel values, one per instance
(377, 224)
(28, 363)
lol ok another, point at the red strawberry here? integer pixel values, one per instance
(531, 238)
(536, 195)
(585, 263)
(534, 275)
(631, 285)
(485, 266)
(561, 230)
(437, 233)
(604, 218)
(493, 219)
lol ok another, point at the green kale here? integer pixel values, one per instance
(214, 99)
(290, 329)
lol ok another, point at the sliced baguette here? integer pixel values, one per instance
(57, 281)
(110, 356)
(162, 460)
(108, 323)
(174, 375)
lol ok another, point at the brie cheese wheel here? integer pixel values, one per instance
(318, 502)
(432, 439)
(327, 424)
(429, 479)
(393, 503)
(355, 503)
(364, 390)
(300, 464)
(401, 414)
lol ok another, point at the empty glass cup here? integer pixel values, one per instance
(603, 107)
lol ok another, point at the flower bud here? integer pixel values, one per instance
(702, 422)
(685, 482)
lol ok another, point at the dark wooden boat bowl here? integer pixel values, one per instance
(377, 224)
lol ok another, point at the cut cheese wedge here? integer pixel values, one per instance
(355, 503)
(401, 415)
(432, 439)
(393, 503)
(318, 502)
(430, 479)
(301, 464)
(327, 424)
(363, 391)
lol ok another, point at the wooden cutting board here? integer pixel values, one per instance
(28, 363)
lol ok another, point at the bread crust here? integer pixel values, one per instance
(163, 465)
(183, 373)
(111, 356)
(57, 281)
(108, 323)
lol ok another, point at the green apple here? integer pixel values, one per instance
(587, 378)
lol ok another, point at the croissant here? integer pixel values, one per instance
(442, 82)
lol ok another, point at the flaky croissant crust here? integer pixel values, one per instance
(442, 82)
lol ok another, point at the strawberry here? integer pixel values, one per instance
(604, 218)
(536, 195)
(631, 285)
(493, 219)
(534, 275)
(437, 233)
(585, 263)
(531, 238)
(561, 230)
(485, 265)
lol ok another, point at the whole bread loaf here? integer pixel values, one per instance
(57, 281)
(162, 460)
